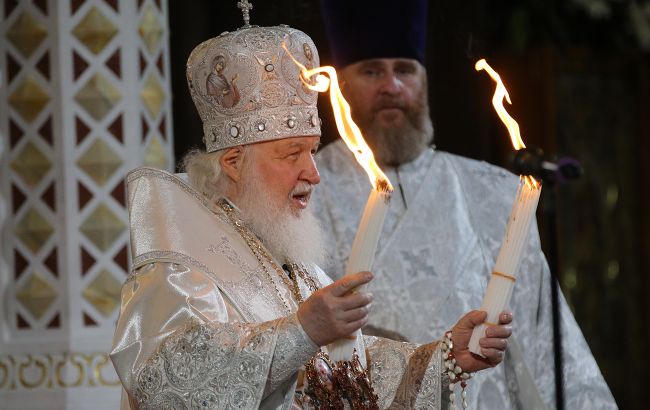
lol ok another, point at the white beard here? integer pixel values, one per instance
(286, 236)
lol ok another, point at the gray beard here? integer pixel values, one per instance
(398, 145)
(286, 236)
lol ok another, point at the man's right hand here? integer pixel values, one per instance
(334, 312)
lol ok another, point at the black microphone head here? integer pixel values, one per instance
(528, 161)
(569, 168)
(531, 161)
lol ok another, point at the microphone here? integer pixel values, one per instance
(532, 161)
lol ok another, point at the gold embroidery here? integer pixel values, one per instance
(329, 385)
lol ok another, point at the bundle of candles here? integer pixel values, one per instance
(365, 242)
(504, 274)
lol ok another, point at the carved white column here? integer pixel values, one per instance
(84, 97)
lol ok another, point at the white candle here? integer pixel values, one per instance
(362, 256)
(506, 268)
(365, 242)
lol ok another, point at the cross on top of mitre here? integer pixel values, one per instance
(245, 8)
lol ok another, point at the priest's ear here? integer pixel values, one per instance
(232, 162)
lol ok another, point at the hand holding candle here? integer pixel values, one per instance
(507, 264)
(365, 242)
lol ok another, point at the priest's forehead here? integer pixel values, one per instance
(388, 62)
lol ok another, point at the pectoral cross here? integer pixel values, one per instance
(245, 8)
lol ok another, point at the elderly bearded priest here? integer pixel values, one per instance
(446, 220)
(226, 306)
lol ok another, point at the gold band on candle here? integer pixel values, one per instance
(489, 323)
(505, 275)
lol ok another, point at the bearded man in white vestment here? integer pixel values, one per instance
(446, 219)
(226, 306)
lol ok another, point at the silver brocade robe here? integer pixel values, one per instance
(434, 260)
(202, 326)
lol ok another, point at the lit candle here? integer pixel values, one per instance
(505, 271)
(365, 242)
(361, 257)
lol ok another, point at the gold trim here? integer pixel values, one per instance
(17, 371)
(59, 366)
(89, 365)
(13, 379)
(98, 372)
(505, 275)
(50, 362)
(39, 364)
(5, 379)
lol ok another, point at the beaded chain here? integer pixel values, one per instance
(352, 381)
(454, 372)
(261, 254)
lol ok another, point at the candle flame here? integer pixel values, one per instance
(315, 80)
(500, 93)
(497, 101)
(531, 182)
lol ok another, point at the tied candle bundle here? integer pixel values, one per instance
(504, 274)
(366, 239)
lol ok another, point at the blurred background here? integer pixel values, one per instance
(90, 89)
(578, 74)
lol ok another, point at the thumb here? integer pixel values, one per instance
(349, 282)
(471, 320)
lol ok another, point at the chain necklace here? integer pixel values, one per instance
(350, 380)
(261, 254)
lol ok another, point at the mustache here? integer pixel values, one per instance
(302, 188)
(389, 102)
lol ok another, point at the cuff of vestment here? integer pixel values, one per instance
(294, 318)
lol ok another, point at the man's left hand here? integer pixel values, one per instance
(493, 345)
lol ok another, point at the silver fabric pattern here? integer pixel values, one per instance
(194, 368)
(220, 365)
(434, 259)
(200, 326)
(247, 87)
(294, 349)
(404, 375)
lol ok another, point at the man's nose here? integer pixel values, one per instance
(310, 173)
(391, 84)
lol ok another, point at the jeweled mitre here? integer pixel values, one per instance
(248, 89)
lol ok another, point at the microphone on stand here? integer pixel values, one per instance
(532, 161)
